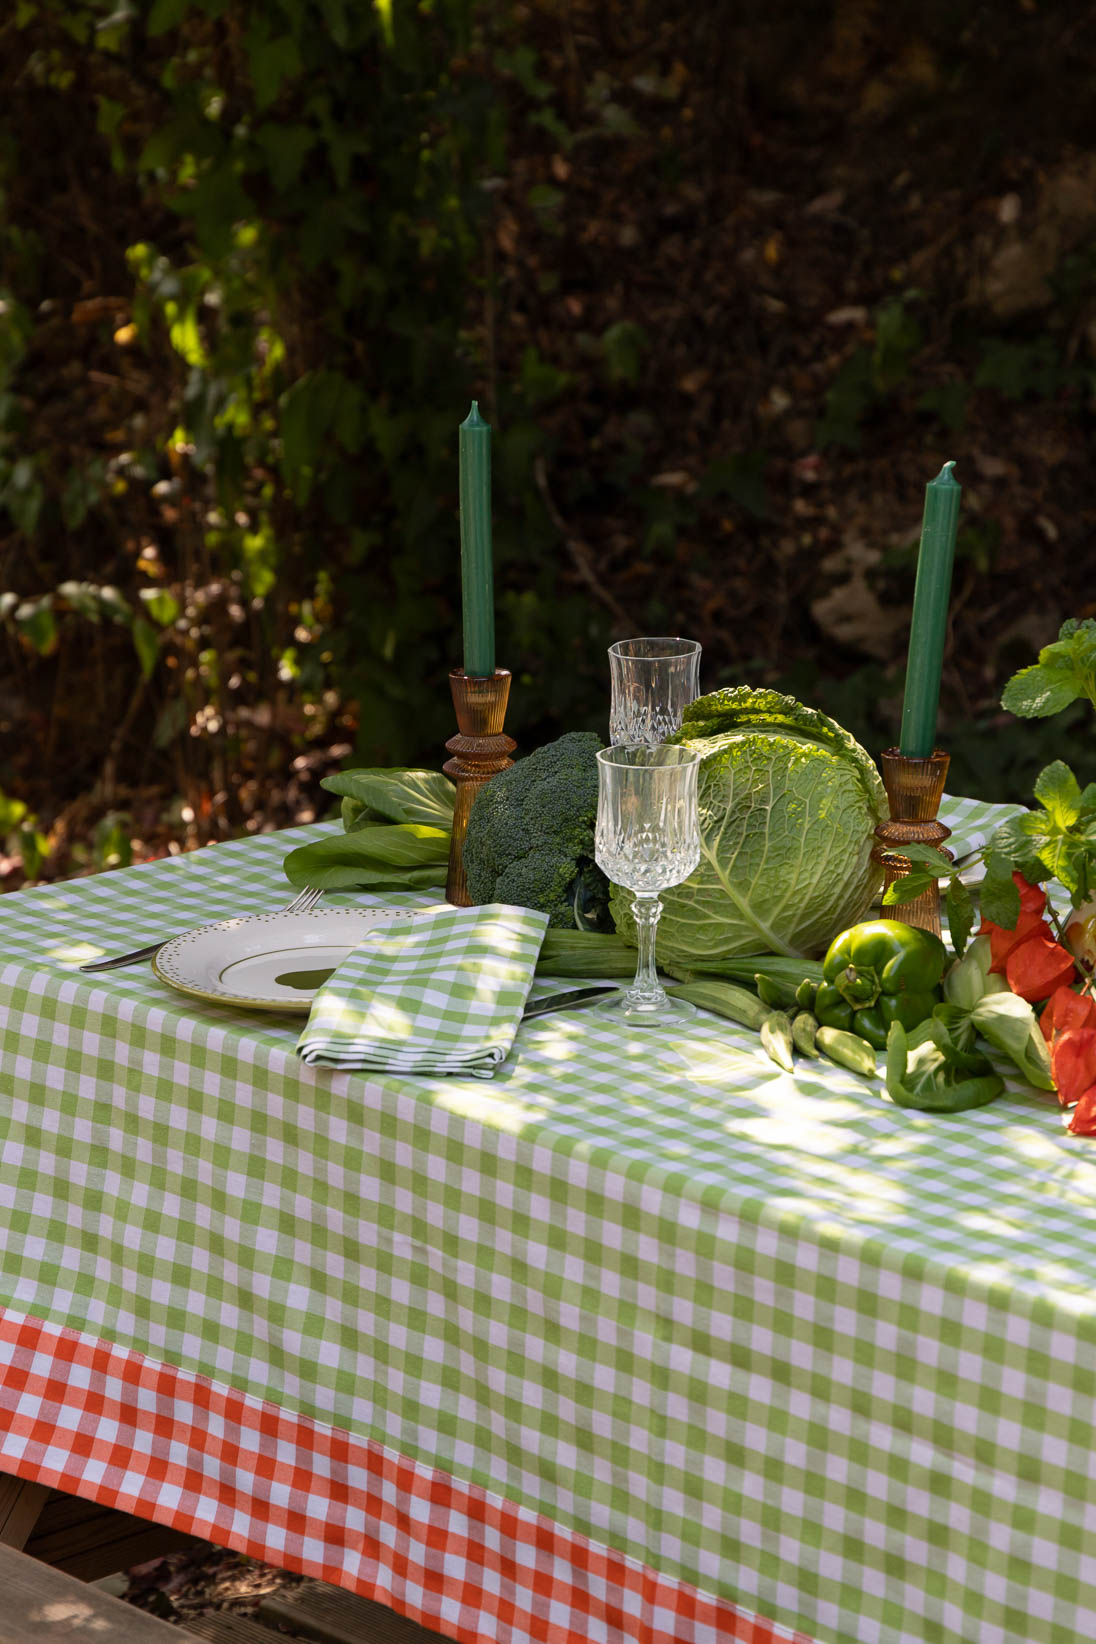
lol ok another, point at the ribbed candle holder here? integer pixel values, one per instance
(914, 790)
(480, 750)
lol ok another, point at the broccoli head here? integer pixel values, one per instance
(530, 838)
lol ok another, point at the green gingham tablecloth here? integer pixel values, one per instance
(771, 1337)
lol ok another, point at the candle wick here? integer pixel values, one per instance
(473, 419)
(946, 475)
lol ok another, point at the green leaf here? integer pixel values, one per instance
(1039, 691)
(272, 62)
(1064, 671)
(164, 15)
(160, 604)
(217, 204)
(395, 795)
(1009, 1024)
(12, 812)
(170, 723)
(308, 409)
(623, 346)
(908, 889)
(926, 857)
(541, 381)
(998, 894)
(94, 601)
(522, 64)
(1062, 858)
(284, 149)
(741, 478)
(36, 622)
(960, 913)
(402, 856)
(928, 1071)
(147, 645)
(958, 1025)
(1017, 842)
(33, 848)
(1057, 789)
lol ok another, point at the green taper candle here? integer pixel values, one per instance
(929, 627)
(477, 576)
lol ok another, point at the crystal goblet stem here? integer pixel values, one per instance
(646, 991)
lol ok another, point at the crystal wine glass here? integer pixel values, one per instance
(653, 681)
(647, 838)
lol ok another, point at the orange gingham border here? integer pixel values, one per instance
(120, 1429)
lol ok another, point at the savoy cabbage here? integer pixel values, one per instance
(788, 803)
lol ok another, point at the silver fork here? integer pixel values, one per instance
(303, 902)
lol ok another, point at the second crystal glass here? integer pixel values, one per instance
(653, 681)
(647, 838)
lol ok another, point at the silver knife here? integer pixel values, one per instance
(124, 958)
(569, 1000)
(574, 998)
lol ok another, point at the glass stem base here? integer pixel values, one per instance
(646, 1002)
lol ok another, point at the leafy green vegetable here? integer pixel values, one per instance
(397, 824)
(926, 1069)
(405, 856)
(393, 795)
(979, 1002)
(530, 836)
(788, 801)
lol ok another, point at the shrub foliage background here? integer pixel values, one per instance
(729, 286)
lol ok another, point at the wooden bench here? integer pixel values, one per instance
(51, 1544)
(41, 1605)
(77, 1536)
(314, 1611)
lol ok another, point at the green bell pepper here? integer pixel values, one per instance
(877, 973)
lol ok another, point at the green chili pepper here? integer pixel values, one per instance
(880, 972)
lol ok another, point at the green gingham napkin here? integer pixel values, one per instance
(441, 993)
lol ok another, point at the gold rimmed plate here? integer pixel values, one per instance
(271, 961)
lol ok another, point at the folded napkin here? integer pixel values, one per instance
(441, 992)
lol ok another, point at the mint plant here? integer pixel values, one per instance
(1054, 841)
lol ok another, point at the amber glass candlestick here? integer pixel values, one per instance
(914, 790)
(480, 750)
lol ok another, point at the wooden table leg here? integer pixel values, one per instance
(20, 1504)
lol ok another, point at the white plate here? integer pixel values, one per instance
(273, 961)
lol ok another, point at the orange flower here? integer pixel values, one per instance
(1082, 1121)
(1073, 1064)
(1066, 1009)
(1002, 941)
(1028, 957)
(1069, 1027)
(1038, 967)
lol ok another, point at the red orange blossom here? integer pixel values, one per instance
(1038, 967)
